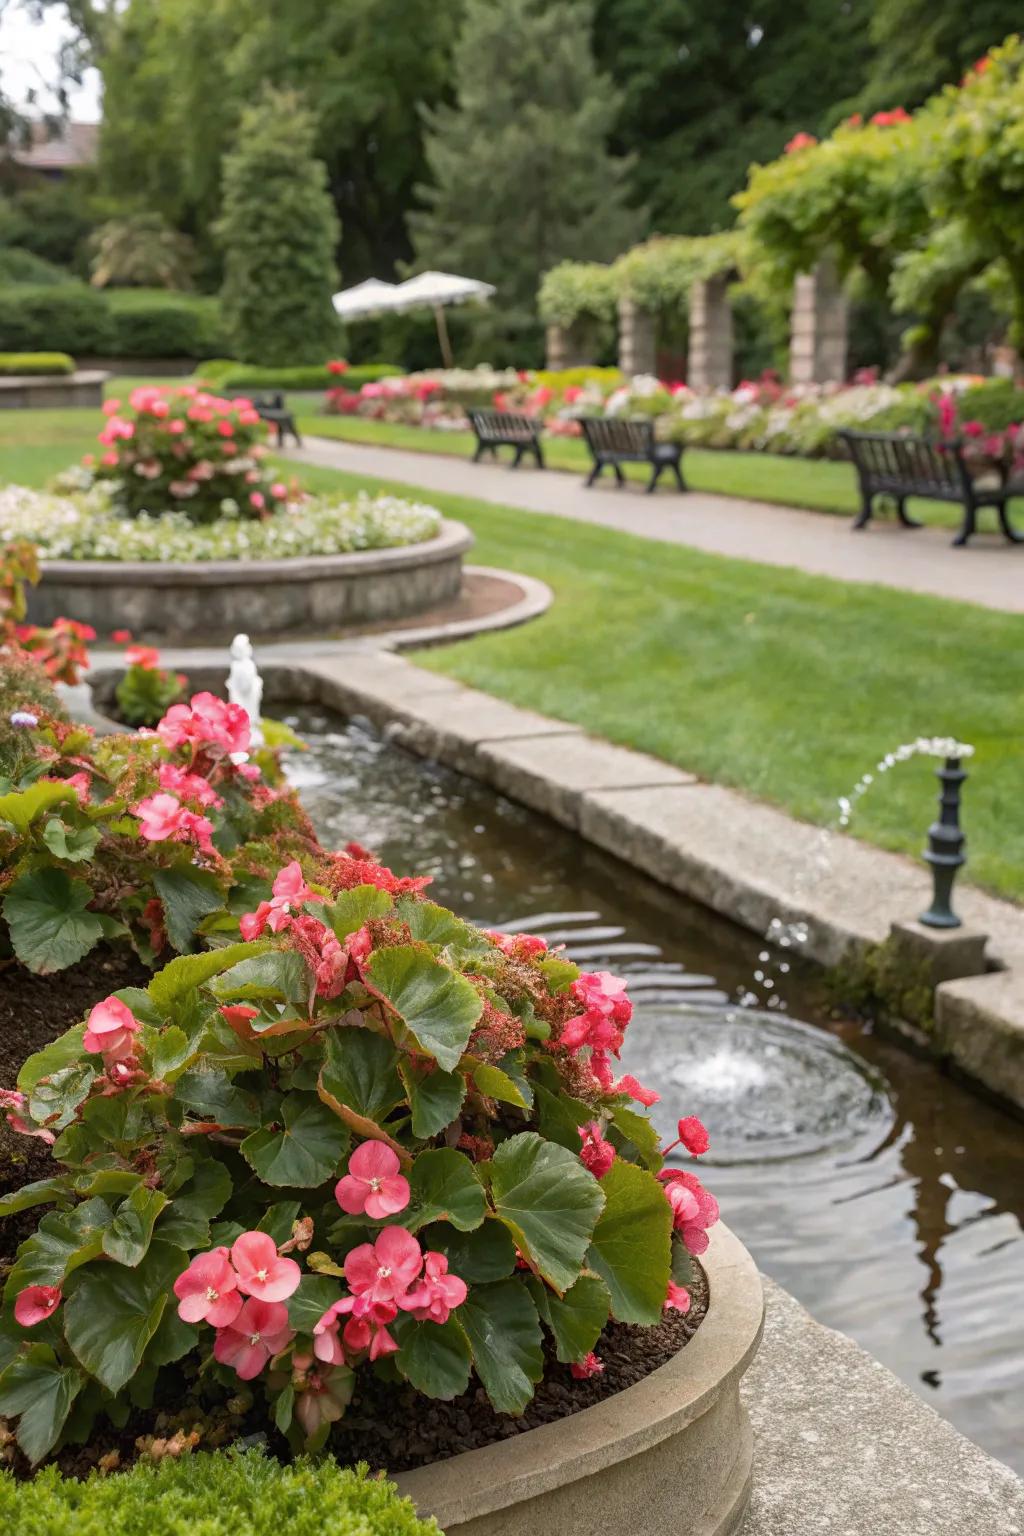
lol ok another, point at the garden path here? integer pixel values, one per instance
(990, 572)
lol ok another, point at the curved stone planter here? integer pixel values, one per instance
(53, 390)
(214, 598)
(670, 1456)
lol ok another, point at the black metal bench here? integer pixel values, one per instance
(897, 465)
(614, 441)
(272, 409)
(506, 429)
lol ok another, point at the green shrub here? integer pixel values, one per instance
(278, 231)
(997, 404)
(65, 317)
(17, 266)
(36, 362)
(153, 322)
(215, 1494)
(238, 376)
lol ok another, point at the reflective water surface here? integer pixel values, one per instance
(884, 1196)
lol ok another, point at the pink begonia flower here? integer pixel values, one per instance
(10, 1098)
(189, 786)
(239, 1015)
(597, 1154)
(260, 1270)
(108, 460)
(163, 818)
(691, 1224)
(327, 1344)
(589, 1366)
(257, 500)
(384, 1270)
(677, 1299)
(628, 1084)
(206, 722)
(279, 490)
(258, 1333)
(437, 1294)
(607, 1012)
(35, 1304)
(177, 426)
(208, 1290)
(366, 1329)
(226, 428)
(693, 1135)
(110, 1029)
(111, 407)
(373, 1182)
(289, 892)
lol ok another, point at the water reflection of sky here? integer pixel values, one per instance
(883, 1195)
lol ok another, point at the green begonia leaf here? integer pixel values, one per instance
(114, 1312)
(549, 1202)
(49, 925)
(302, 1149)
(444, 1187)
(631, 1246)
(38, 1388)
(438, 1007)
(504, 1331)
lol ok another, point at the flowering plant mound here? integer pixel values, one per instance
(147, 689)
(181, 449)
(82, 523)
(154, 838)
(364, 1135)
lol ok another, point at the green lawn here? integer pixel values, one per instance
(822, 485)
(784, 685)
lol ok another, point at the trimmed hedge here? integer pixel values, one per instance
(20, 363)
(237, 376)
(155, 322)
(116, 322)
(211, 1494)
(64, 317)
(18, 266)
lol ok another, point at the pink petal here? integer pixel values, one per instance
(351, 1194)
(392, 1197)
(373, 1160)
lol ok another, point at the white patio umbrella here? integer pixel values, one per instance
(435, 290)
(370, 298)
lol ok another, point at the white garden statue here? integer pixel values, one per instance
(245, 686)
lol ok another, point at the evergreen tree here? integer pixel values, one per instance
(521, 173)
(919, 46)
(278, 232)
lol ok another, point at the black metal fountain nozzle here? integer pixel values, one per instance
(945, 851)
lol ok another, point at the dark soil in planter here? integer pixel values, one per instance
(33, 1011)
(394, 1428)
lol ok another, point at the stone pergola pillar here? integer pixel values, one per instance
(637, 338)
(818, 327)
(571, 346)
(709, 364)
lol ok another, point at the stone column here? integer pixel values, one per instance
(554, 346)
(818, 327)
(709, 364)
(637, 339)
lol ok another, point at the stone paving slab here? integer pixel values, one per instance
(552, 774)
(990, 572)
(842, 1448)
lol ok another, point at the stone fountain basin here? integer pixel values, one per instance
(670, 1456)
(210, 599)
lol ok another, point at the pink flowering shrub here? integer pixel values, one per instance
(180, 449)
(148, 839)
(360, 1136)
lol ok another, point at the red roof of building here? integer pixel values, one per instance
(64, 147)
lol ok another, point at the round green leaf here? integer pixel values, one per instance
(434, 1357)
(437, 1006)
(114, 1312)
(49, 926)
(300, 1150)
(503, 1328)
(549, 1202)
(445, 1187)
(631, 1249)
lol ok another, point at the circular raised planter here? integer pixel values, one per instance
(214, 598)
(670, 1456)
(36, 391)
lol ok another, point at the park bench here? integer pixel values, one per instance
(272, 409)
(897, 465)
(614, 441)
(506, 429)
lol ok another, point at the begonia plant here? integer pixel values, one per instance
(362, 1135)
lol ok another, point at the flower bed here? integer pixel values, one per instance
(354, 1130)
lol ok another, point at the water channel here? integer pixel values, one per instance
(886, 1197)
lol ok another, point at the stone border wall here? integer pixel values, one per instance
(52, 391)
(310, 594)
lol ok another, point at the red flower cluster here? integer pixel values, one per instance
(389, 1275)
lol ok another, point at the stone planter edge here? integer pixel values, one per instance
(487, 1483)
